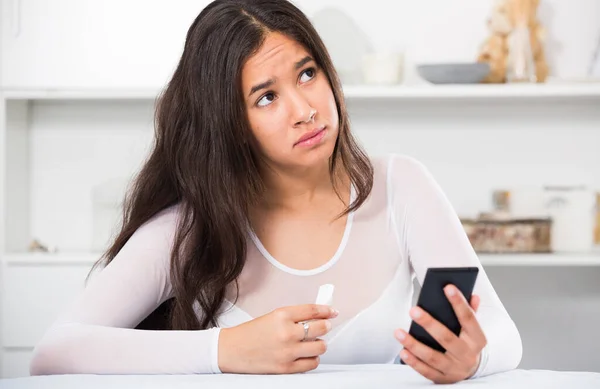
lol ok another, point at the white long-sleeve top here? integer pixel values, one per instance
(406, 226)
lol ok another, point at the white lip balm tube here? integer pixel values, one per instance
(325, 295)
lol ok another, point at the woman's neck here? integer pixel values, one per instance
(299, 189)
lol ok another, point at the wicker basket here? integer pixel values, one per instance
(509, 236)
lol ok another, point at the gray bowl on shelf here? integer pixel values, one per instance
(454, 73)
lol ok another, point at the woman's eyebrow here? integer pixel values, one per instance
(303, 62)
(270, 82)
(262, 85)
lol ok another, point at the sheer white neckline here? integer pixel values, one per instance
(310, 272)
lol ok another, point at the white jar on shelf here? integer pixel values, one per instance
(383, 68)
(572, 210)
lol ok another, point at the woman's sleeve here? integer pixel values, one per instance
(431, 235)
(96, 334)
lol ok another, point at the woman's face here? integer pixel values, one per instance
(290, 104)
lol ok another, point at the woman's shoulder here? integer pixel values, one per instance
(149, 246)
(399, 167)
(160, 228)
(406, 177)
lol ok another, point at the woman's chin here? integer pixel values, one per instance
(315, 157)
(305, 162)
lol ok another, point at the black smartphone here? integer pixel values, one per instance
(433, 300)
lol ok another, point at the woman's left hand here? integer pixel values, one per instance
(463, 352)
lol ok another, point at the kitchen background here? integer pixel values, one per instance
(507, 120)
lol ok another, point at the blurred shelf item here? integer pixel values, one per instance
(424, 91)
(551, 259)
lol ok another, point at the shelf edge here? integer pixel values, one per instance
(557, 259)
(420, 91)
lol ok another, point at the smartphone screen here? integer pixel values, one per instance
(433, 300)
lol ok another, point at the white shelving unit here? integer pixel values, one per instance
(20, 109)
(56, 145)
(420, 93)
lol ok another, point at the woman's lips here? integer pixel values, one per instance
(311, 138)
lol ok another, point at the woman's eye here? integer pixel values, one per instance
(308, 72)
(266, 99)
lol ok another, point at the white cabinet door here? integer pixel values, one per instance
(73, 44)
(33, 297)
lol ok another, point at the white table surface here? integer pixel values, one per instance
(326, 376)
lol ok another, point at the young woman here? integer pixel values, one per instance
(255, 194)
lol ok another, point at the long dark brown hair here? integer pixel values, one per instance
(205, 159)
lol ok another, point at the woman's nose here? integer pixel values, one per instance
(302, 110)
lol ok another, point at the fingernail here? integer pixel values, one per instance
(450, 291)
(327, 325)
(400, 335)
(334, 312)
(404, 355)
(415, 313)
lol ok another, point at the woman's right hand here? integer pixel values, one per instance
(274, 343)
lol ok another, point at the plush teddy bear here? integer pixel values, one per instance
(537, 39)
(495, 50)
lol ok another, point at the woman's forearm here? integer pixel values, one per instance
(504, 348)
(89, 349)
